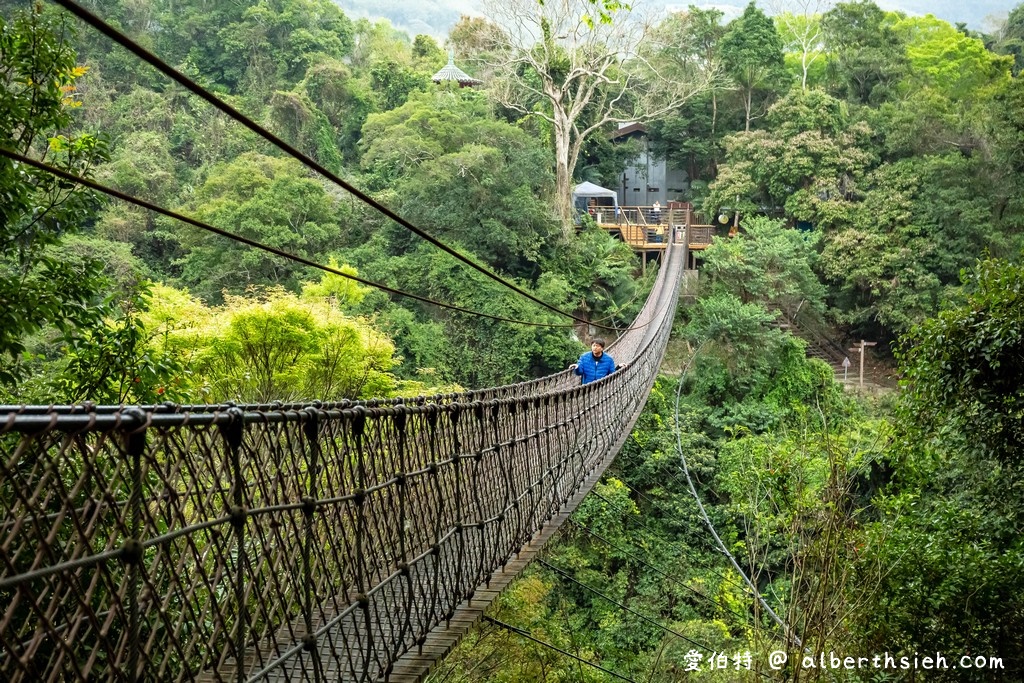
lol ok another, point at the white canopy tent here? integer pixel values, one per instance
(583, 193)
(589, 190)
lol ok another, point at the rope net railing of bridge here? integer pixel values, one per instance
(286, 542)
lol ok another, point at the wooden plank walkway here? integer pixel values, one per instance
(392, 636)
(638, 237)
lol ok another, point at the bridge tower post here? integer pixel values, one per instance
(686, 236)
(132, 553)
(232, 433)
(311, 434)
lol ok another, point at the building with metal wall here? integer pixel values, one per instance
(647, 179)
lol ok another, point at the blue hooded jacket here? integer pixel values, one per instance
(593, 369)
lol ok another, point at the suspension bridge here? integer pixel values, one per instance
(354, 541)
(349, 541)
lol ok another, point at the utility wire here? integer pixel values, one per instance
(674, 476)
(525, 634)
(617, 508)
(721, 576)
(145, 55)
(568, 577)
(664, 628)
(655, 569)
(253, 243)
(638, 492)
(790, 635)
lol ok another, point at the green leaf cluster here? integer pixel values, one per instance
(945, 558)
(37, 288)
(271, 345)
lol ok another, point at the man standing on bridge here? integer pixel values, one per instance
(594, 364)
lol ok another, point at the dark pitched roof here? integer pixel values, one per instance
(626, 131)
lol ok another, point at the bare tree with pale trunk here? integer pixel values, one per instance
(580, 74)
(800, 29)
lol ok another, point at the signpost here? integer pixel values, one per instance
(859, 348)
(846, 367)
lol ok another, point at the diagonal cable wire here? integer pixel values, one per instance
(624, 607)
(253, 243)
(790, 634)
(568, 577)
(645, 525)
(528, 636)
(145, 55)
(677, 479)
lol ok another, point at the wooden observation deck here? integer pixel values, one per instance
(648, 230)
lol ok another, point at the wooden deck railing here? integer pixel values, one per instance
(700, 236)
(644, 227)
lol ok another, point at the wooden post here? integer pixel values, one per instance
(860, 349)
(735, 229)
(686, 237)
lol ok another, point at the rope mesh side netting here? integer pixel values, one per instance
(287, 542)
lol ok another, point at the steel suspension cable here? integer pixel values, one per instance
(638, 492)
(644, 524)
(676, 478)
(626, 608)
(619, 509)
(790, 635)
(145, 55)
(665, 574)
(528, 636)
(149, 206)
(653, 622)
(234, 490)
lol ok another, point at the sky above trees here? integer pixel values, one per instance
(436, 17)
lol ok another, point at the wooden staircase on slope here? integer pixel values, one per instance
(818, 344)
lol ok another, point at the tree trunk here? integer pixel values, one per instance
(563, 176)
(746, 105)
(713, 169)
(563, 199)
(714, 113)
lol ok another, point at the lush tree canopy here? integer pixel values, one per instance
(752, 55)
(37, 288)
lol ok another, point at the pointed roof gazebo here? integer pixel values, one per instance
(451, 73)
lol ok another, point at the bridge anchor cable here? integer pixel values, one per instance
(790, 634)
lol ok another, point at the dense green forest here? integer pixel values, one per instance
(83, 320)
(876, 162)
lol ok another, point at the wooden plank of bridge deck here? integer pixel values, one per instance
(636, 235)
(414, 666)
